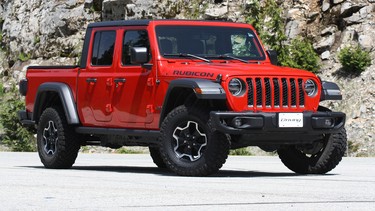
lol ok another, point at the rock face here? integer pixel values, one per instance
(51, 32)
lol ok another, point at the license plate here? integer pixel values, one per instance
(290, 120)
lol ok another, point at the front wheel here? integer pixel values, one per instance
(57, 142)
(189, 146)
(156, 157)
(319, 158)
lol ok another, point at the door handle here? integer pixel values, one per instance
(120, 80)
(91, 80)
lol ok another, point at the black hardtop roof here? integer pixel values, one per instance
(120, 23)
(143, 22)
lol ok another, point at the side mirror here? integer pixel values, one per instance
(138, 55)
(272, 54)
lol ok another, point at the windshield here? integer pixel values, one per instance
(209, 42)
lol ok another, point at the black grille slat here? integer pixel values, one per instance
(294, 95)
(267, 85)
(259, 91)
(250, 94)
(285, 91)
(301, 93)
(276, 92)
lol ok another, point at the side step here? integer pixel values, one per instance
(117, 137)
(118, 131)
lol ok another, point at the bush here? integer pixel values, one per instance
(301, 55)
(354, 60)
(241, 151)
(15, 136)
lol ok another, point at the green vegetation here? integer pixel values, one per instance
(15, 136)
(92, 9)
(24, 57)
(1, 90)
(194, 8)
(302, 55)
(129, 150)
(241, 151)
(36, 40)
(354, 60)
(353, 148)
(267, 20)
(1, 41)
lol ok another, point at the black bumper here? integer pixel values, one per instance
(25, 118)
(263, 128)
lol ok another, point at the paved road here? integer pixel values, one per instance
(131, 182)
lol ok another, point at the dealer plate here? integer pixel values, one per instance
(290, 120)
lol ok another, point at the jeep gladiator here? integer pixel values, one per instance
(190, 91)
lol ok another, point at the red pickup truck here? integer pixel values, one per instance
(190, 91)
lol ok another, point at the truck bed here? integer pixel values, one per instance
(37, 75)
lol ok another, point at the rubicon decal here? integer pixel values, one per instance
(191, 73)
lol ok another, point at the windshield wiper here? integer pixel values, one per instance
(187, 55)
(232, 57)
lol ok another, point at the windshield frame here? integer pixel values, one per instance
(161, 33)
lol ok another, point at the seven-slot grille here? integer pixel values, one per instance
(275, 92)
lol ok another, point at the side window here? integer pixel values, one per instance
(104, 44)
(137, 38)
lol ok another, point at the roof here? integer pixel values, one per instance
(143, 22)
(120, 23)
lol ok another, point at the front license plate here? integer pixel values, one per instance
(290, 120)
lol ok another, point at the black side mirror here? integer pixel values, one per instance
(138, 55)
(272, 54)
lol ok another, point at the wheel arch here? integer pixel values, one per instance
(55, 93)
(189, 91)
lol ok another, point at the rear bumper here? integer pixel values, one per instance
(25, 118)
(263, 128)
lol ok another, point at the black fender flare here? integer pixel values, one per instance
(203, 89)
(66, 97)
(330, 91)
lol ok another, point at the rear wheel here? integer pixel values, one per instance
(57, 141)
(319, 158)
(189, 145)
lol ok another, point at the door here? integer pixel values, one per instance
(134, 85)
(96, 85)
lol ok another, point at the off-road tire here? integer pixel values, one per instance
(320, 163)
(156, 157)
(58, 144)
(211, 156)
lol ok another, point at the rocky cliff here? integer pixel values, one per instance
(51, 32)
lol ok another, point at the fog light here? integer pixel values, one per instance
(237, 122)
(329, 122)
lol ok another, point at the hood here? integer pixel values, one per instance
(212, 70)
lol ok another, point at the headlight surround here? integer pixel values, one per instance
(310, 88)
(236, 86)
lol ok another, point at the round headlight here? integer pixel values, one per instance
(236, 86)
(310, 88)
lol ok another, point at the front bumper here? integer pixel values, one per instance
(250, 122)
(263, 128)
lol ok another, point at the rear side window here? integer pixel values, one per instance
(104, 44)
